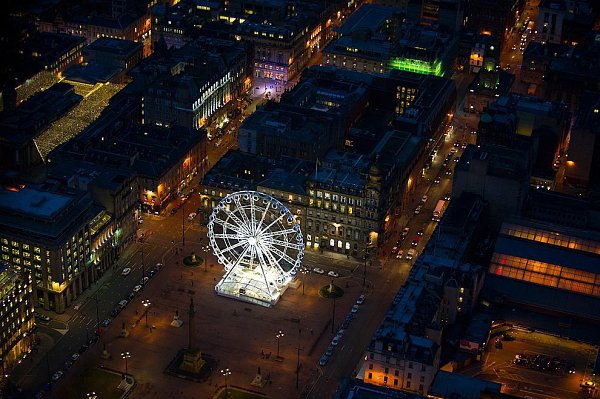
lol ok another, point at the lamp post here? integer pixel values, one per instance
(365, 266)
(97, 315)
(146, 304)
(125, 355)
(226, 373)
(183, 224)
(143, 267)
(333, 317)
(303, 271)
(278, 336)
(92, 395)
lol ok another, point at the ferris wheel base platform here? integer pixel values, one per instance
(248, 298)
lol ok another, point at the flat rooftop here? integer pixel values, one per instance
(31, 202)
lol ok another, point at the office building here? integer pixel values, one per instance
(60, 238)
(499, 175)
(493, 18)
(16, 317)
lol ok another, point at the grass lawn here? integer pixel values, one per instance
(102, 382)
(238, 394)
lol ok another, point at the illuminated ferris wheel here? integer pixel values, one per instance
(259, 242)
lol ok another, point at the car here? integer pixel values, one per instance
(191, 216)
(335, 341)
(144, 280)
(588, 384)
(329, 351)
(395, 250)
(318, 270)
(57, 376)
(508, 337)
(415, 241)
(75, 356)
(332, 274)
(137, 288)
(405, 231)
(463, 145)
(447, 196)
(360, 300)
(520, 356)
(456, 160)
(115, 312)
(173, 211)
(520, 362)
(346, 324)
(42, 317)
(323, 360)
(571, 369)
(354, 309)
(68, 364)
(140, 220)
(105, 323)
(126, 271)
(448, 172)
(421, 232)
(122, 303)
(418, 210)
(457, 144)
(82, 348)
(498, 343)
(437, 180)
(410, 254)
(399, 254)
(341, 332)
(151, 273)
(424, 198)
(158, 266)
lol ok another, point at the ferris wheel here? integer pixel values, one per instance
(259, 243)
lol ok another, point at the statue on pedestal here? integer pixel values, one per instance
(192, 357)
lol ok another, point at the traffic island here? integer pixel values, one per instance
(192, 260)
(331, 291)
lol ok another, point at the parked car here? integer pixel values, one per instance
(77, 306)
(354, 309)
(115, 312)
(144, 280)
(126, 271)
(360, 300)
(42, 317)
(424, 198)
(191, 216)
(82, 348)
(399, 254)
(395, 250)
(105, 323)
(75, 356)
(323, 361)
(421, 232)
(329, 351)
(410, 253)
(332, 274)
(57, 376)
(137, 288)
(498, 343)
(122, 303)
(415, 241)
(405, 231)
(318, 270)
(335, 340)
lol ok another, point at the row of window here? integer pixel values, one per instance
(552, 238)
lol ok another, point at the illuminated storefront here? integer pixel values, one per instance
(417, 66)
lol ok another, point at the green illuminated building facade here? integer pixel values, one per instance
(417, 66)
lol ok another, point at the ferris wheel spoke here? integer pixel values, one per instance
(242, 210)
(281, 255)
(262, 231)
(234, 246)
(252, 215)
(237, 262)
(237, 220)
(286, 244)
(229, 236)
(262, 218)
(272, 261)
(226, 224)
(278, 233)
(263, 264)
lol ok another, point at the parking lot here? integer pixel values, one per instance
(550, 366)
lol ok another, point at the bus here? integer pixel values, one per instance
(439, 209)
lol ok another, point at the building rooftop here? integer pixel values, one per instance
(451, 385)
(32, 202)
(368, 17)
(114, 46)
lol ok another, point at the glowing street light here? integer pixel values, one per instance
(125, 355)
(92, 395)
(226, 373)
(146, 304)
(278, 336)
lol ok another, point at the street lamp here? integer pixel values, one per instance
(278, 336)
(143, 267)
(92, 395)
(125, 355)
(146, 303)
(226, 373)
(303, 271)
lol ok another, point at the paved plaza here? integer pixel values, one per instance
(240, 336)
